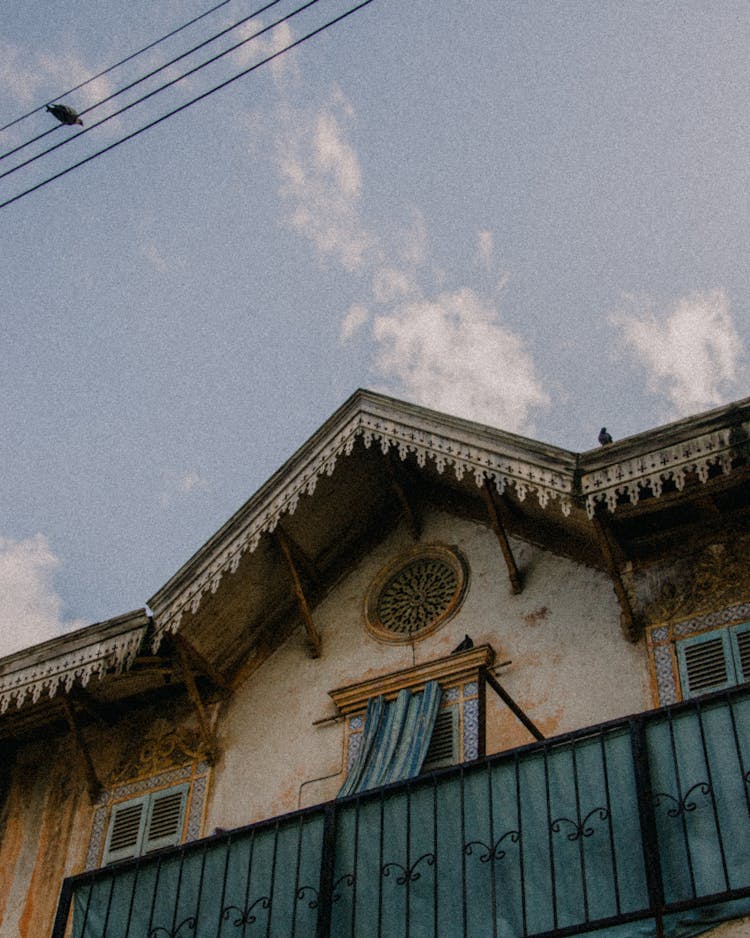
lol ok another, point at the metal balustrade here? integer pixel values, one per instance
(639, 826)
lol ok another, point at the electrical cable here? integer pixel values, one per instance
(150, 74)
(156, 91)
(188, 104)
(127, 58)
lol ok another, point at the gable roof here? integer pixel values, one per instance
(234, 601)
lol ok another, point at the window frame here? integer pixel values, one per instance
(143, 843)
(732, 658)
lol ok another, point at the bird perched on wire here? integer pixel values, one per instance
(604, 437)
(65, 114)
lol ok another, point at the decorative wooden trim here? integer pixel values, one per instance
(460, 667)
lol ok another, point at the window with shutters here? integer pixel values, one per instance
(444, 744)
(714, 660)
(142, 825)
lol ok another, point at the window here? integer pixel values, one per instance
(444, 749)
(144, 824)
(714, 660)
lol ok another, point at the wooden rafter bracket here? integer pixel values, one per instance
(92, 779)
(204, 723)
(495, 513)
(405, 497)
(613, 556)
(201, 664)
(313, 636)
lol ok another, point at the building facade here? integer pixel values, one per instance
(431, 679)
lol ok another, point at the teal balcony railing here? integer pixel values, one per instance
(640, 826)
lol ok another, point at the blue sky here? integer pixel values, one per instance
(532, 214)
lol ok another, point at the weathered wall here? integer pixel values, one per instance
(43, 836)
(561, 633)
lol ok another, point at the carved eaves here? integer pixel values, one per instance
(630, 470)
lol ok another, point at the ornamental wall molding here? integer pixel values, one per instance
(463, 454)
(78, 666)
(647, 472)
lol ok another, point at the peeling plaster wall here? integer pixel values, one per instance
(561, 633)
(46, 819)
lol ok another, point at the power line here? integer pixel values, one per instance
(137, 81)
(188, 104)
(127, 58)
(158, 90)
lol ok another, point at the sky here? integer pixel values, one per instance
(530, 214)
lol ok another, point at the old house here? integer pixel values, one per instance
(432, 679)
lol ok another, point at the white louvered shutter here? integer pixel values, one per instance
(125, 830)
(166, 814)
(443, 748)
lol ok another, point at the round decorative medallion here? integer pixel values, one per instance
(415, 593)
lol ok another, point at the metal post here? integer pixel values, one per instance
(648, 822)
(63, 909)
(327, 860)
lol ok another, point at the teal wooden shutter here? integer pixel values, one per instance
(147, 823)
(706, 663)
(741, 651)
(444, 741)
(166, 814)
(126, 826)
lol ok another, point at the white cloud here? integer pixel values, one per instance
(442, 348)
(18, 75)
(690, 352)
(189, 481)
(261, 47)
(452, 353)
(31, 610)
(353, 321)
(26, 76)
(177, 485)
(485, 248)
(154, 257)
(320, 185)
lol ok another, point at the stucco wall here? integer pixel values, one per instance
(561, 634)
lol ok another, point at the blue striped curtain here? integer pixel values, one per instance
(395, 739)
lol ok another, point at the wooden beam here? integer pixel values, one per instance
(611, 551)
(304, 608)
(302, 559)
(411, 516)
(209, 740)
(92, 780)
(499, 528)
(202, 664)
(512, 705)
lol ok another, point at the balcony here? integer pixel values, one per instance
(640, 826)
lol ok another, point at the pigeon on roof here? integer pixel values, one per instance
(604, 437)
(463, 645)
(64, 113)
